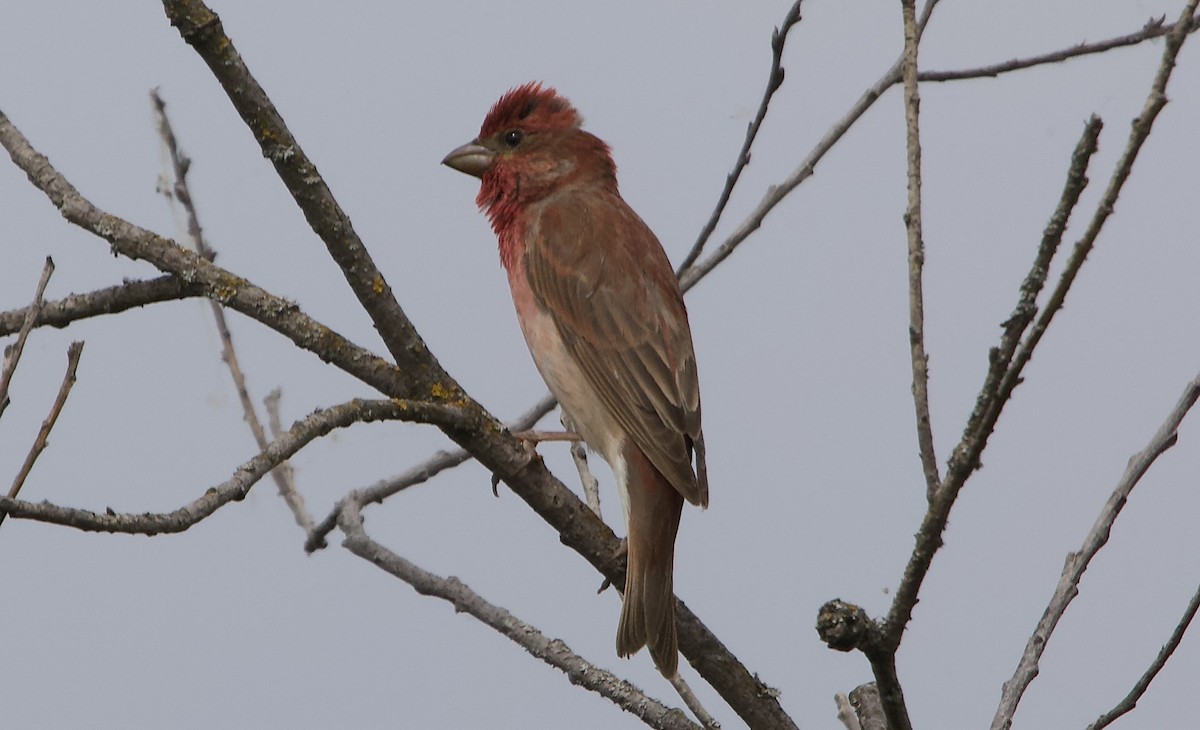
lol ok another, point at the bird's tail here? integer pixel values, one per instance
(648, 610)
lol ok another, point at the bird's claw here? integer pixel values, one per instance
(528, 440)
(622, 552)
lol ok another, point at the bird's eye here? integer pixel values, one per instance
(513, 137)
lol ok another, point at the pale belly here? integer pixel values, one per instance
(568, 383)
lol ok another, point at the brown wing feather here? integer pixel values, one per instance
(609, 287)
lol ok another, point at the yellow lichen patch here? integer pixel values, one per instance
(378, 284)
(439, 391)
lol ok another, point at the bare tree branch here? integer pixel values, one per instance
(473, 428)
(110, 300)
(1077, 562)
(12, 354)
(215, 283)
(965, 458)
(202, 30)
(1130, 700)
(551, 651)
(316, 425)
(997, 387)
(880, 640)
(1154, 28)
(178, 191)
(419, 474)
(916, 251)
(39, 443)
(776, 193)
(774, 81)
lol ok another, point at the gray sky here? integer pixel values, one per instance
(801, 338)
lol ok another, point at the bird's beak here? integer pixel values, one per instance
(472, 158)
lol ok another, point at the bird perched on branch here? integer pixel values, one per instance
(604, 319)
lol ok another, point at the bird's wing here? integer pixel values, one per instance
(596, 268)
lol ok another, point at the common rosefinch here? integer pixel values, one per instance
(604, 320)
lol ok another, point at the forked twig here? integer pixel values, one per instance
(774, 81)
(40, 441)
(314, 426)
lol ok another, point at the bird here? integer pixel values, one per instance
(604, 319)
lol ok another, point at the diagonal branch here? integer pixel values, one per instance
(551, 651)
(203, 31)
(1077, 562)
(473, 428)
(993, 394)
(1139, 688)
(214, 282)
(303, 432)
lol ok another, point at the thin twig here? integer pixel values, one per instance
(554, 652)
(317, 424)
(284, 475)
(109, 300)
(1138, 135)
(916, 252)
(1077, 562)
(591, 486)
(774, 81)
(992, 394)
(39, 443)
(1154, 28)
(12, 355)
(693, 703)
(776, 193)
(1130, 700)
(178, 191)
(419, 474)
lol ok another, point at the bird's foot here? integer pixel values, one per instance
(622, 552)
(529, 440)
